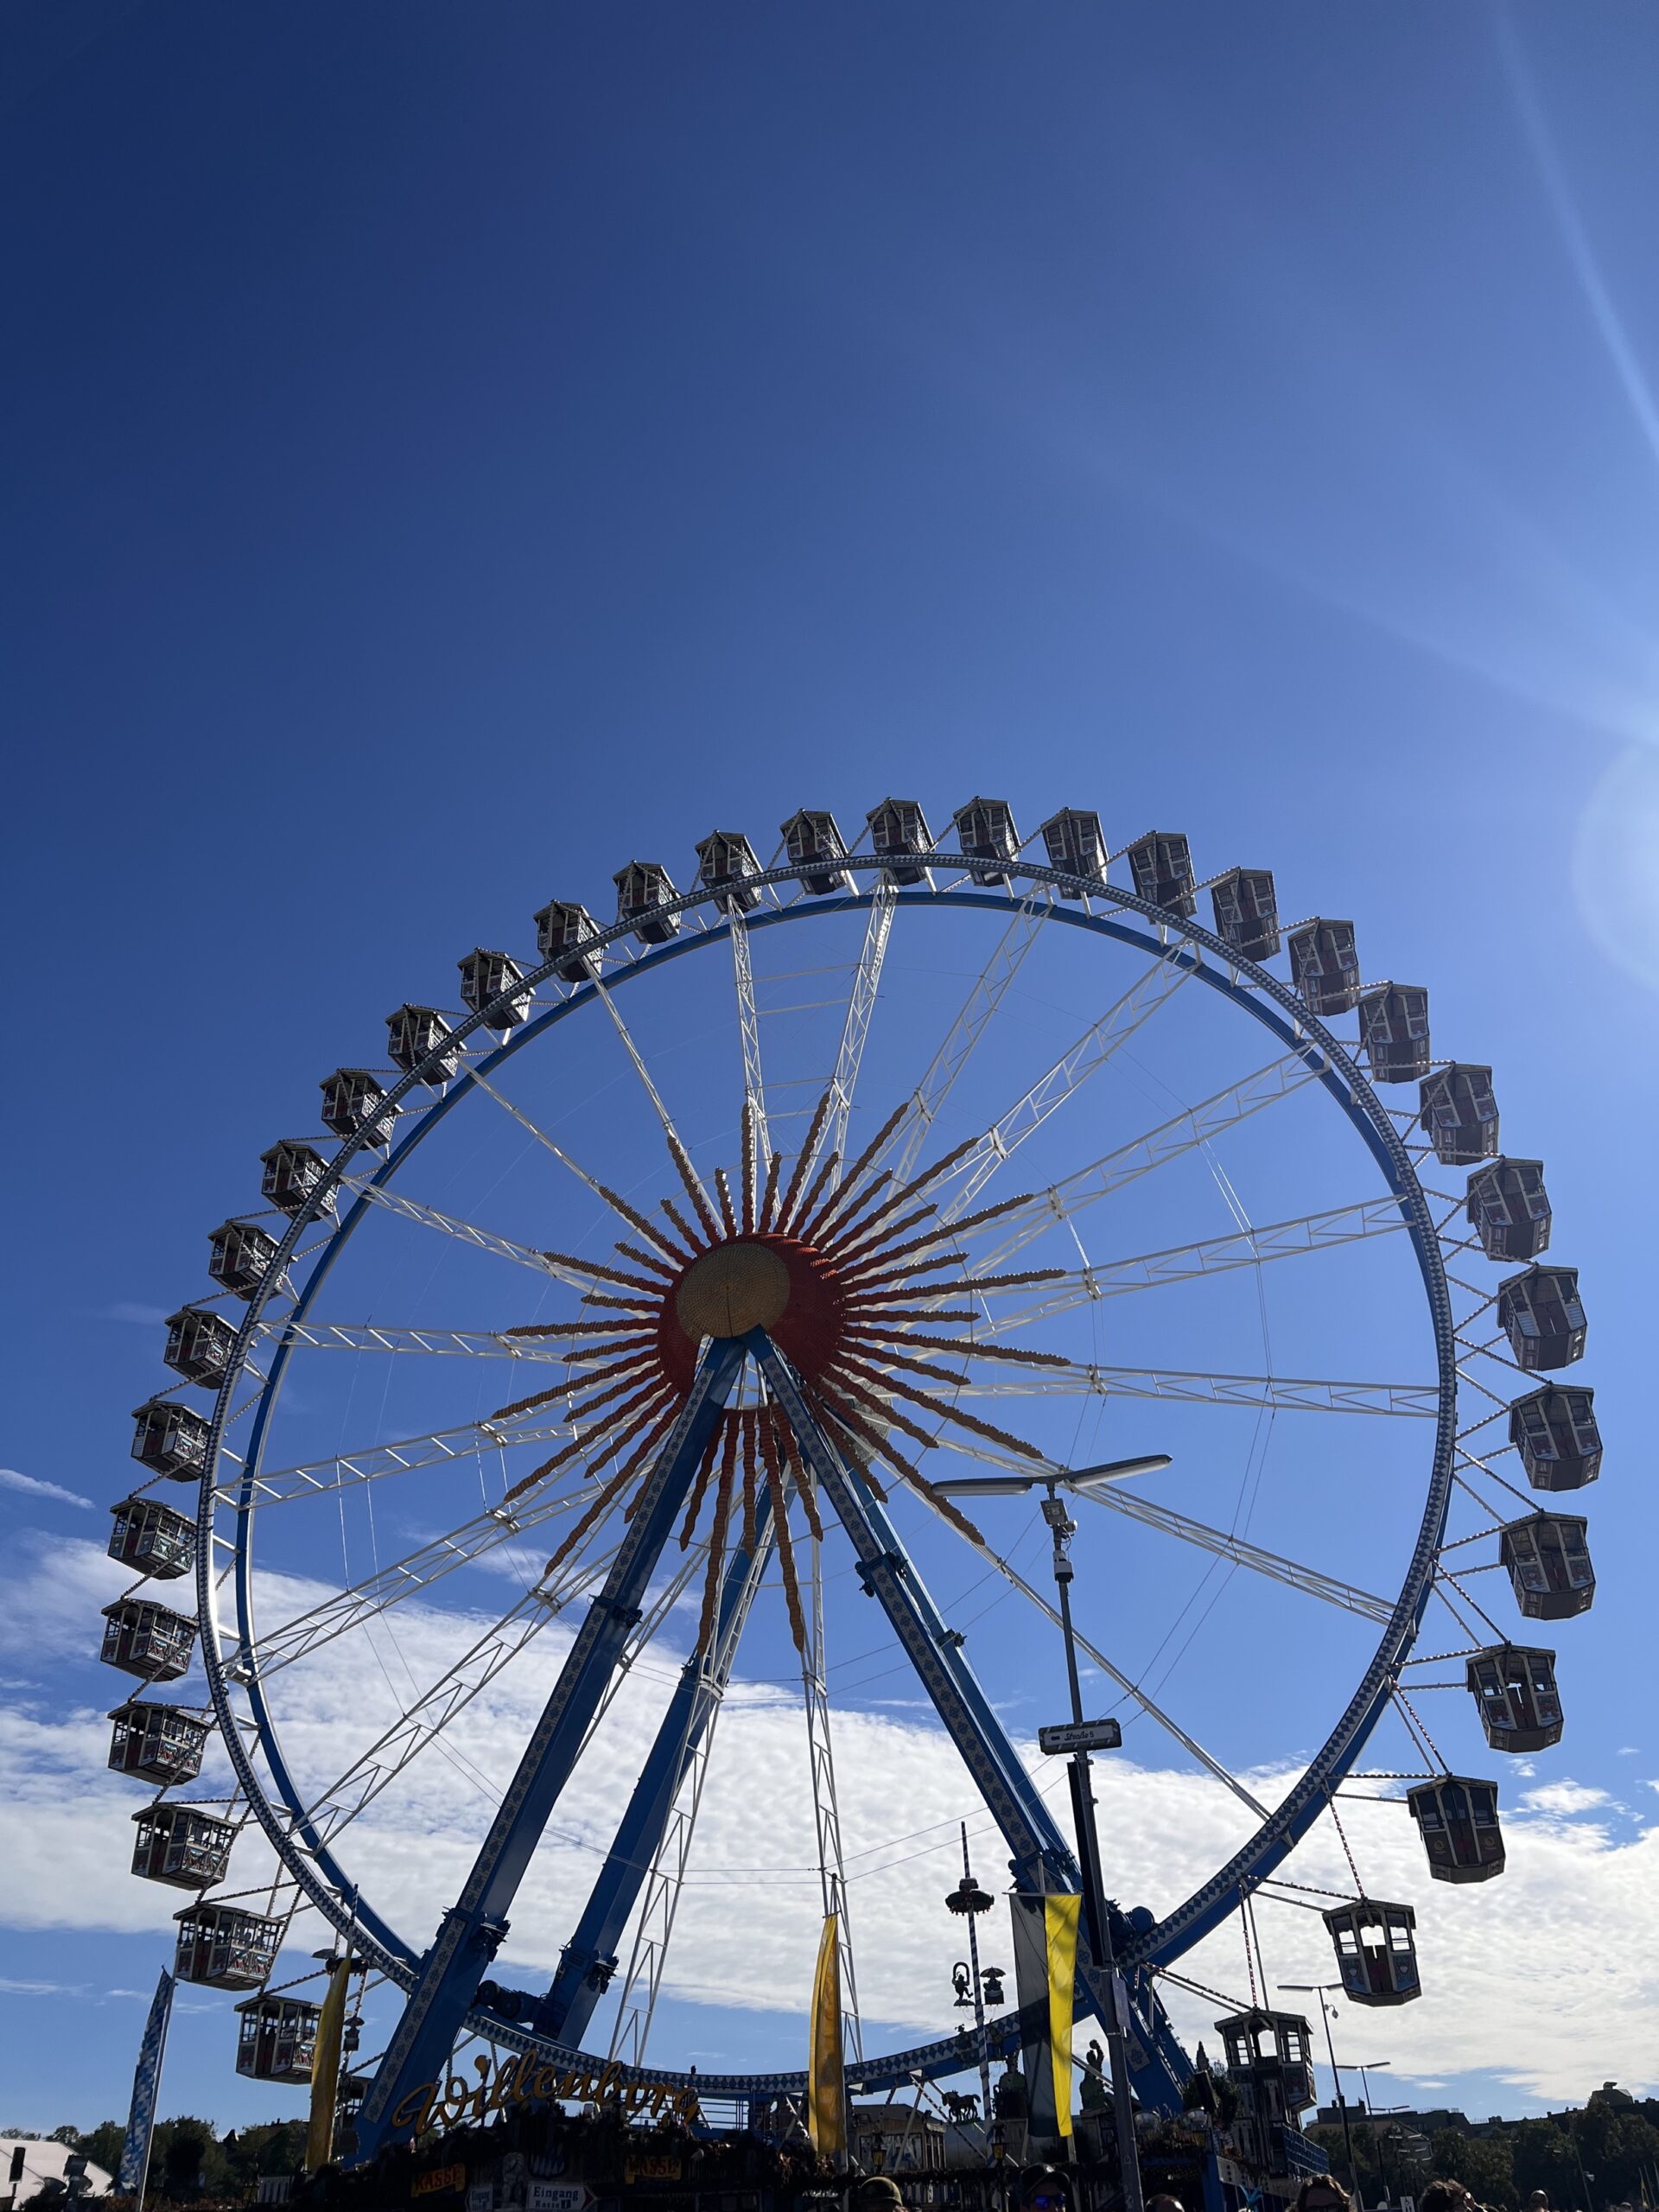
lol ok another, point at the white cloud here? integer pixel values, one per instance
(144, 1317)
(32, 1486)
(1577, 1911)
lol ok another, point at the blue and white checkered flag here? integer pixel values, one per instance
(146, 2081)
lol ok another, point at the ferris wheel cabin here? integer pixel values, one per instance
(1548, 1564)
(1513, 1686)
(490, 985)
(1160, 866)
(170, 1438)
(1457, 1819)
(1508, 1209)
(1555, 1432)
(277, 2038)
(985, 832)
(417, 1042)
(726, 868)
(814, 838)
(899, 830)
(1458, 1113)
(1541, 1314)
(158, 1743)
(644, 894)
(239, 1256)
(199, 1343)
(291, 1174)
(225, 1948)
(1376, 1951)
(354, 1102)
(1325, 966)
(152, 1539)
(147, 1640)
(1246, 908)
(1073, 841)
(1393, 1030)
(181, 1845)
(560, 927)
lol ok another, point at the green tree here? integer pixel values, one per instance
(1482, 2164)
(103, 2145)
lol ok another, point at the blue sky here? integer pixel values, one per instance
(453, 453)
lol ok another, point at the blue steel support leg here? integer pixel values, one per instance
(1041, 1857)
(589, 1958)
(470, 1932)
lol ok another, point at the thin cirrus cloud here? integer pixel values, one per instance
(32, 1486)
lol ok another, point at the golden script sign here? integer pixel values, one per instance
(528, 2079)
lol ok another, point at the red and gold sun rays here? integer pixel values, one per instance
(846, 1271)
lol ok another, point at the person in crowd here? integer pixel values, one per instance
(1538, 2201)
(1322, 2193)
(1446, 2197)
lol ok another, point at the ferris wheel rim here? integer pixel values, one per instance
(1244, 983)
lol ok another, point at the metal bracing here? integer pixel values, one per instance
(1066, 1076)
(484, 1240)
(826, 1803)
(346, 1469)
(365, 1336)
(675, 1144)
(965, 1032)
(1117, 1498)
(1279, 1240)
(1125, 1163)
(748, 1033)
(535, 1129)
(470, 1931)
(412, 1576)
(855, 1026)
(1284, 1392)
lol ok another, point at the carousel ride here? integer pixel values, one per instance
(769, 1343)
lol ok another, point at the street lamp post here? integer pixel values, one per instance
(1375, 2066)
(1327, 2012)
(970, 1900)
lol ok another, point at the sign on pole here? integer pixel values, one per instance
(1080, 1736)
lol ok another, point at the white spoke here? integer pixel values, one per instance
(367, 1336)
(1118, 1499)
(855, 1028)
(1184, 1132)
(826, 1806)
(558, 1265)
(319, 1477)
(965, 1032)
(754, 1088)
(543, 1138)
(1064, 1078)
(1292, 1394)
(675, 1144)
(1313, 1232)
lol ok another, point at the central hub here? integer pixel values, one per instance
(731, 1290)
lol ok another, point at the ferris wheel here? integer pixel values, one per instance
(898, 1181)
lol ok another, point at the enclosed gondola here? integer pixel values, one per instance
(224, 1947)
(199, 1343)
(986, 833)
(727, 869)
(170, 1438)
(898, 830)
(1325, 966)
(277, 2039)
(240, 1254)
(1508, 1208)
(1458, 1114)
(1457, 1819)
(493, 985)
(181, 1845)
(1246, 908)
(1160, 866)
(158, 1743)
(353, 1101)
(421, 1041)
(1542, 1315)
(1376, 1951)
(1073, 841)
(1547, 1561)
(814, 841)
(152, 1539)
(645, 894)
(1555, 1432)
(1393, 1030)
(147, 1640)
(291, 1174)
(1514, 1687)
(1273, 2050)
(562, 928)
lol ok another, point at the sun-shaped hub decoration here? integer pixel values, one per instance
(840, 1274)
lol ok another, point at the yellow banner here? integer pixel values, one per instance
(1060, 1930)
(826, 2113)
(325, 2066)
